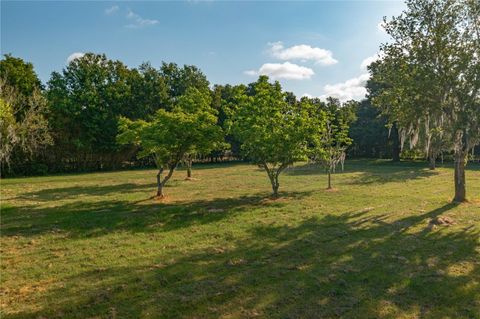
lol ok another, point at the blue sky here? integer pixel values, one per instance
(314, 48)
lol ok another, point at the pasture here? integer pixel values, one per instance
(386, 243)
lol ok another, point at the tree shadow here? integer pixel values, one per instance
(371, 172)
(88, 219)
(52, 194)
(336, 266)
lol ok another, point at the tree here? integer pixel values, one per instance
(369, 133)
(225, 99)
(272, 131)
(329, 138)
(432, 72)
(149, 92)
(85, 102)
(18, 74)
(409, 101)
(178, 80)
(170, 135)
(26, 135)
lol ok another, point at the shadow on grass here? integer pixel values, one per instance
(337, 266)
(371, 172)
(51, 194)
(87, 218)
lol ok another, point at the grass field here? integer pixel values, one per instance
(95, 246)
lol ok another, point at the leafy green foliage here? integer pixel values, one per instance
(25, 136)
(18, 74)
(272, 132)
(428, 80)
(190, 127)
(369, 133)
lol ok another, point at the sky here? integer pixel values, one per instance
(316, 49)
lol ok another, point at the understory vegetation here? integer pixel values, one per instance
(384, 244)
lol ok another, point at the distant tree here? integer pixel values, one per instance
(26, 135)
(149, 92)
(369, 133)
(329, 138)
(271, 130)
(20, 75)
(171, 135)
(431, 77)
(179, 79)
(225, 100)
(85, 102)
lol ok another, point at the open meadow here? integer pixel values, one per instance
(385, 243)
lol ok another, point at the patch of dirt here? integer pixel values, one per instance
(332, 190)
(442, 221)
(162, 199)
(191, 179)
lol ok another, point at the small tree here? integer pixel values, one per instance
(170, 135)
(272, 131)
(329, 135)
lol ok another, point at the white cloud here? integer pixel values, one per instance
(75, 55)
(381, 26)
(367, 61)
(111, 10)
(307, 95)
(352, 89)
(302, 52)
(284, 70)
(137, 21)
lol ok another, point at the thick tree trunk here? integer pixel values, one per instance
(159, 183)
(395, 144)
(460, 183)
(431, 160)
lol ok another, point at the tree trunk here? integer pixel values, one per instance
(159, 183)
(395, 144)
(431, 161)
(275, 186)
(189, 168)
(329, 180)
(273, 177)
(460, 183)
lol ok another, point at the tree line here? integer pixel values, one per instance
(98, 114)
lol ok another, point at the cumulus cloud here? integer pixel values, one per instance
(286, 70)
(137, 21)
(302, 52)
(352, 89)
(367, 61)
(111, 10)
(75, 55)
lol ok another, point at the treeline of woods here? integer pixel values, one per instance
(71, 123)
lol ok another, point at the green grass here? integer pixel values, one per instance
(95, 246)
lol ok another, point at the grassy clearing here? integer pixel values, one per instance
(94, 245)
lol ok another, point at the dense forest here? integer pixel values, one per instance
(70, 123)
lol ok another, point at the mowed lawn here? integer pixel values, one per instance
(95, 245)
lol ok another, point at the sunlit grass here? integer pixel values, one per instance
(95, 245)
